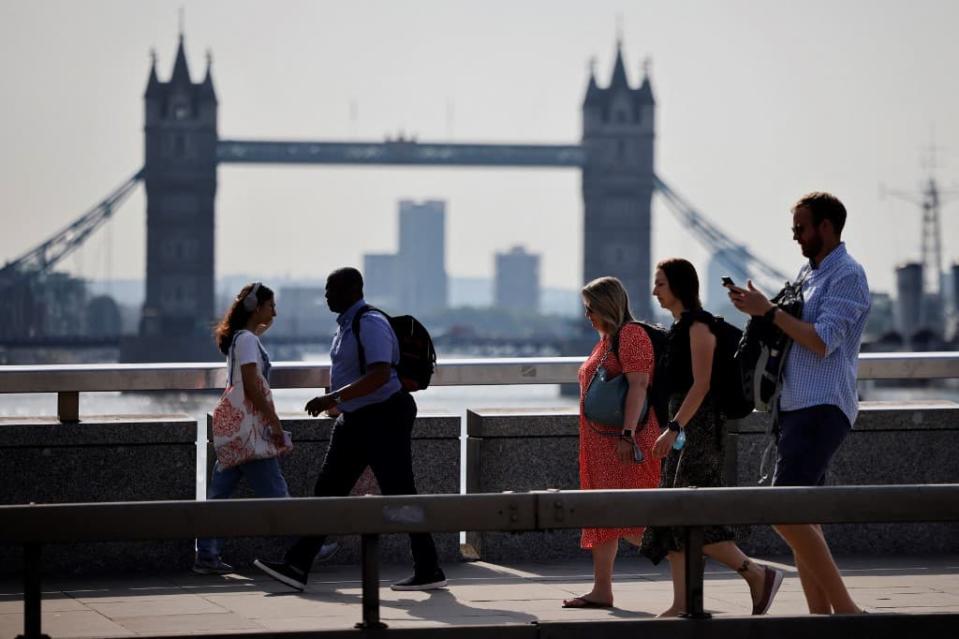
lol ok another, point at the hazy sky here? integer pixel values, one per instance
(758, 102)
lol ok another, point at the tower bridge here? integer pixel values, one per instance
(183, 148)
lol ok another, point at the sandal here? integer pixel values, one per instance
(583, 602)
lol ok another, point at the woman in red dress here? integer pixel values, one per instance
(606, 454)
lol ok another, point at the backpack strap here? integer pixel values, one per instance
(614, 348)
(361, 353)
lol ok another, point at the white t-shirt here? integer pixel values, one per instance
(246, 349)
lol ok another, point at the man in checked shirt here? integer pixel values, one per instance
(819, 402)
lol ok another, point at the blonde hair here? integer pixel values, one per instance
(607, 298)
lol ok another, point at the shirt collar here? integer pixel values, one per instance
(346, 317)
(832, 258)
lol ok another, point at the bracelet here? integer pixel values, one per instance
(673, 425)
(770, 315)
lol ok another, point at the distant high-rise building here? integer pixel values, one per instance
(723, 262)
(909, 299)
(954, 272)
(517, 280)
(421, 260)
(380, 280)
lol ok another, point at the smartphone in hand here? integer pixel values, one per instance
(728, 282)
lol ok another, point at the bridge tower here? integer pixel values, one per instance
(618, 136)
(180, 142)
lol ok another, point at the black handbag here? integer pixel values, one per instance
(605, 399)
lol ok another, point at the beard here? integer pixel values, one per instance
(812, 248)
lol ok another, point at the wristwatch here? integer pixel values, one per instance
(627, 434)
(770, 315)
(336, 398)
(673, 425)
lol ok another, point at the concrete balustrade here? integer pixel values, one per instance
(100, 459)
(893, 443)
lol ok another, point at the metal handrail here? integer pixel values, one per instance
(449, 372)
(690, 508)
(536, 510)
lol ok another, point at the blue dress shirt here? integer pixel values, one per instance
(380, 346)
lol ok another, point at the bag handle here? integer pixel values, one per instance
(232, 356)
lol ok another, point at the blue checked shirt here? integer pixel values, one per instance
(836, 302)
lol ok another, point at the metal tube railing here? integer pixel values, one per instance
(691, 508)
(69, 381)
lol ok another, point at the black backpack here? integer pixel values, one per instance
(764, 347)
(417, 355)
(656, 395)
(734, 397)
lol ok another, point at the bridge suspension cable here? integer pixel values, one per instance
(732, 254)
(44, 257)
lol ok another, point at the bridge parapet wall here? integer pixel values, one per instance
(893, 443)
(100, 459)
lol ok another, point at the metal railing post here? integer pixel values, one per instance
(695, 565)
(369, 557)
(31, 593)
(68, 406)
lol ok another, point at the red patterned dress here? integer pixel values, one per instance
(599, 467)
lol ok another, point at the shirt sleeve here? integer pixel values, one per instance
(635, 350)
(247, 348)
(378, 339)
(842, 307)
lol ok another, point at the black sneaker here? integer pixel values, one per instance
(428, 581)
(211, 566)
(284, 573)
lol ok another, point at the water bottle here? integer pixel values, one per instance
(680, 440)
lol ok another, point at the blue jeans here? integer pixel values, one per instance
(266, 480)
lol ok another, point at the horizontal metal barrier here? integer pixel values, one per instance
(449, 372)
(538, 510)
(692, 509)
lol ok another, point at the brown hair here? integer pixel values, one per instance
(824, 206)
(683, 281)
(239, 314)
(607, 298)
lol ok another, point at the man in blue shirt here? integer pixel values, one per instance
(818, 403)
(374, 422)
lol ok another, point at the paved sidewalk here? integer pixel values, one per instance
(479, 593)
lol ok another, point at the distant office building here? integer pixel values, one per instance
(881, 319)
(954, 273)
(909, 299)
(723, 262)
(301, 312)
(421, 261)
(517, 280)
(380, 280)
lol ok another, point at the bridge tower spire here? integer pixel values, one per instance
(617, 182)
(180, 141)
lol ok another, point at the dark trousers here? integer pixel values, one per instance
(377, 436)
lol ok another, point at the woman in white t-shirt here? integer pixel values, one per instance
(250, 315)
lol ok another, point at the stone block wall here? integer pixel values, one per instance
(99, 459)
(893, 443)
